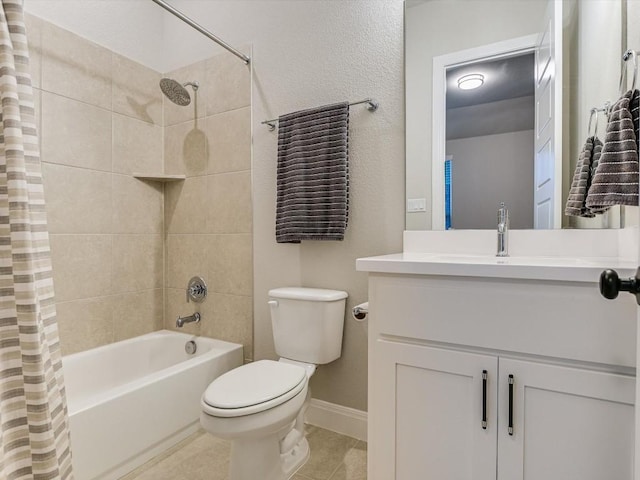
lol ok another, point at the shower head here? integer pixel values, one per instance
(176, 92)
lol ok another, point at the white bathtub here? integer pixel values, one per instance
(131, 400)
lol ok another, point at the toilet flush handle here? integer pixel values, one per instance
(273, 303)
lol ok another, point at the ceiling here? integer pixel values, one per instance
(503, 104)
(504, 79)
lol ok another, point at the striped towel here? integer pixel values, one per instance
(313, 174)
(616, 179)
(595, 160)
(576, 206)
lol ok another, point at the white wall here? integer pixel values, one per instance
(435, 28)
(594, 79)
(488, 170)
(133, 28)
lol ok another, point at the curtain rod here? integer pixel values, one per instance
(202, 30)
(372, 107)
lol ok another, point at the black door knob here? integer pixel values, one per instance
(611, 285)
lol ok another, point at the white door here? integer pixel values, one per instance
(433, 427)
(568, 423)
(547, 193)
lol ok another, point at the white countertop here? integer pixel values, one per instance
(569, 269)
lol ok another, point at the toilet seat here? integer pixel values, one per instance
(253, 388)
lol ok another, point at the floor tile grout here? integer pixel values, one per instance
(178, 459)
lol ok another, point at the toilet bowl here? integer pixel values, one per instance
(260, 406)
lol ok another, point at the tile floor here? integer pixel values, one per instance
(203, 457)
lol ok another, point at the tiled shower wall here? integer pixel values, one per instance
(121, 247)
(208, 217)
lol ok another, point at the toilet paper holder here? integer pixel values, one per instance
(361, 311)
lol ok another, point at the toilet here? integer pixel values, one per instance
(260, 406)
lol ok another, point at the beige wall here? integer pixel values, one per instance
(208, 217)
(123, 249)
(100, 119)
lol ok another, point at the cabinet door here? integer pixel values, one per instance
(568, 423)
(427, 419)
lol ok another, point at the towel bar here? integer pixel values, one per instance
(372, 107)
(633, 55)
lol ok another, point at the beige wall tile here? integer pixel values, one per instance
(137, 146)
(229, 82)
(78, 200)
(34, 39)
(187, 206)
(231, 268)
(137, 313)
(176, 305)
(85, 324)
(137, 263)
(229, 318)
(37, 103)
(136, 90)
(186, 149)
(197, 108)
(230, 209)
(229, 135)
(137, 205)
(187, 256)
(81, 266)
(75, 133)
(75, 67)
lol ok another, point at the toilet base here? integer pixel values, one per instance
(295, 458)
(261, 459)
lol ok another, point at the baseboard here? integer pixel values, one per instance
(344, 420)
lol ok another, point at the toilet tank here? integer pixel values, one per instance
(307, 323)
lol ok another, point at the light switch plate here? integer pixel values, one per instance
(416, 205)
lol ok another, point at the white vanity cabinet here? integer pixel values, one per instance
(571, 355)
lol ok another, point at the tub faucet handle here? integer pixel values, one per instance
(196, 290)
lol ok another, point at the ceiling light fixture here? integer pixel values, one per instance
(471, 81)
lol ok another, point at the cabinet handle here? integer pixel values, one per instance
(510, 430)
(484, 399)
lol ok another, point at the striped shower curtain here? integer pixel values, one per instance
(34, 435)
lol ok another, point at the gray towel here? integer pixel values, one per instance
(313, 174)
(576, 202)
(595, 160)
(615, 181)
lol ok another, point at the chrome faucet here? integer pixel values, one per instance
(503, 231)
(195, 318)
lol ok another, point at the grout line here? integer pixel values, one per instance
(111, 295)
(95, 106)
(110, 172)
(212, 292)
(208, 234)
(206, 116)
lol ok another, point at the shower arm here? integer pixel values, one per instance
(202, 30)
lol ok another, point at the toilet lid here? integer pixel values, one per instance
(264, 383)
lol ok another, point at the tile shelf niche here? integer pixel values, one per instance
(159, 177)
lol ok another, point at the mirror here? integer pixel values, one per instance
(446, 40)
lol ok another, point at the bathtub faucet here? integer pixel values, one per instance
(190, 319)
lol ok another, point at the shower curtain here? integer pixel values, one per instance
(34, 435)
